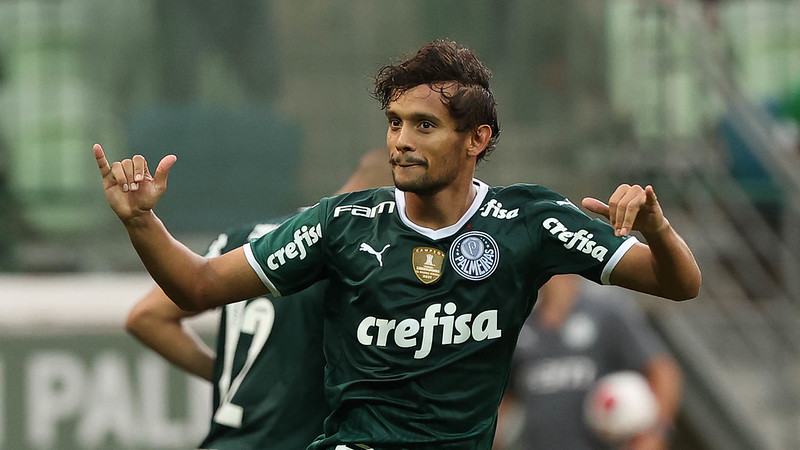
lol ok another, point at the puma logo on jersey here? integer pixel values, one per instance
(378, 255)
(579, 240)
(495, 208)
(453, 329)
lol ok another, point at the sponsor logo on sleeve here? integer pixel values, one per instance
(580, 240)
(474, 255)
(303, 238)
(497, 211)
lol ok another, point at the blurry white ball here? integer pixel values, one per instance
(620, 405)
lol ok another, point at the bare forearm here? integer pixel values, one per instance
(673, 264)
(159, 324)
(172, 265)
(177, 343)
(665, 267)
(192, 282)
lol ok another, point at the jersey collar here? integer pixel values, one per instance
(442, 233)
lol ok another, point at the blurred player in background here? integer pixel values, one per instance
(430, 280)
(571, 339)
(268, 368)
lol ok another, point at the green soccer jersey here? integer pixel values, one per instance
(268, 375)
(420, 324)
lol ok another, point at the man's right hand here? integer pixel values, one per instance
(130, 189)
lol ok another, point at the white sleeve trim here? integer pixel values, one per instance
(615, 258)
(251, 259)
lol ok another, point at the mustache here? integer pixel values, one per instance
(405, 161)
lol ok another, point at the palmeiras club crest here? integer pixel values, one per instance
(427, 263)
(474, 255)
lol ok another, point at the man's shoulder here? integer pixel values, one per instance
(366, 203)
(526, 192)
(534, 199)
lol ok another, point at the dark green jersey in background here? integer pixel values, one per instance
(268, 375)
(420, 325)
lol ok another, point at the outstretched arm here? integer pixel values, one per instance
(158, 323)
(188, 279)
(665, 266)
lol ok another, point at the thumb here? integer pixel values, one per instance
(596, 206)
(162, 171)
(650, 195)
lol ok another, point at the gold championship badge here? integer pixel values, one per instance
(428, 263)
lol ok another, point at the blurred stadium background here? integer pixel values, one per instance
(266, 105)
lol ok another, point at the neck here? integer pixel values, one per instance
(442, 209)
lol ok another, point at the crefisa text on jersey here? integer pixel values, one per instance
(304, 237)
(580, 240)
(454, 329)
(495, 208)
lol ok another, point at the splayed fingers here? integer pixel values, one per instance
(129, 186)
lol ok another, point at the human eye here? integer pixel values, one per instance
(394, 123)
(426, 125)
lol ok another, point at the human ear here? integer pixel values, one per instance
(479, 140)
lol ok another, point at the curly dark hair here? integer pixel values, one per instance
(438, 64)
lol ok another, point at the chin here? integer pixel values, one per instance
(417, 186)
(403, 185)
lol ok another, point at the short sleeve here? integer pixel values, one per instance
(572, 242)
(290, 257)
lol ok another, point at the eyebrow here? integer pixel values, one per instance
(416, 116)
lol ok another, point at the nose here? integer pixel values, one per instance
(401, 139)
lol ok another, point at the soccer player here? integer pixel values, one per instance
(430, 280)
(268, 369)
(572, 339)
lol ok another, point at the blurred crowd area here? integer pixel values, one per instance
(266, 103)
